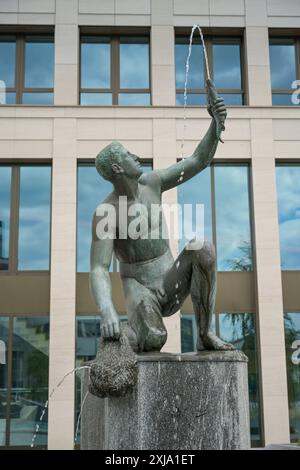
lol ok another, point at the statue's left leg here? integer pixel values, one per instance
(194, 272)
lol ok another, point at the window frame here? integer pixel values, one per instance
(114, 89)
(210, 40)
(296, 39)
(19, 89)
(13, 248)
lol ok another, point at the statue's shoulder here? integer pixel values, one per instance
(111, 199)
(150, 179)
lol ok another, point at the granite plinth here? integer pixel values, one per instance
(181, 401)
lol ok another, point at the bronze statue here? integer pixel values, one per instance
(155, 285)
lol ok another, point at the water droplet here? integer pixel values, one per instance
(176, 286)
(177, 264)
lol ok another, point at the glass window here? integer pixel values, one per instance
(37, 98)
(283, 69)
(227, 66)
(234, 252)
(134, 63)
(4, 325)
(31, 59)
(197, 190)
(134, 99)
(226, 70)
(8, 61)
(92, 190)
(95, 63)
(29, 380)
(239, 329)
(115, 70)
(34, 217)
(292, 345)
(5, 196)
(39, 63)
(288, 197)
(96, 99)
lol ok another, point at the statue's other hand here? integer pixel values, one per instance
(110, 328)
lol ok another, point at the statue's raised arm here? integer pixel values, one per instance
(204, 152)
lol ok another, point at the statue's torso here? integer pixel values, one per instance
(154, 241)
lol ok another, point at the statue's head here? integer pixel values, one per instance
(114, 161)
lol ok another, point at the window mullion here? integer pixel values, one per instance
(14, 219)
(115, 69)
(9, 378)
(20, 45)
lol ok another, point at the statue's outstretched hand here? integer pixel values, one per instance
(216, 106)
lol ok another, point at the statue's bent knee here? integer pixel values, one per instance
(148, 325)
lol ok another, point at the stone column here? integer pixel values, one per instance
(269, 290)
(162, 53)
(181, 402)
(257, 53)
(66, 53)
(63, 281)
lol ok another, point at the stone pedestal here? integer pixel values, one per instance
(181, 401)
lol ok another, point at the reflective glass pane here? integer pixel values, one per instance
(233, 99)
(193, 99)
(96, 99)
(87, 338)
(39, 64)
(37, 98)
(234, 252)
(34, 218)
(7, 98)
(134, 99)
(3, 376)
(134, 63)
(282, 100)
(288, 197)
(292, 346)
(5, 196)
(92, 190)
(283, 65)
(227, 66)
(196, 67)
(197, 190)
(239, 329)
(8, 62)
(95, 63)
(29, 380)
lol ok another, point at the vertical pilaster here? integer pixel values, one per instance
(162, 54)
(66, 53)
(63, 281)
(257, 53)
(269, 290)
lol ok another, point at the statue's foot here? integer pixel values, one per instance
(212, 342)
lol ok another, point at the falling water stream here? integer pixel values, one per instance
(38, 424)
(187, 67)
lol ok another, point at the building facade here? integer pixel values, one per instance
(77, 74)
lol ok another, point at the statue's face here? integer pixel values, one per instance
(131, 165)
